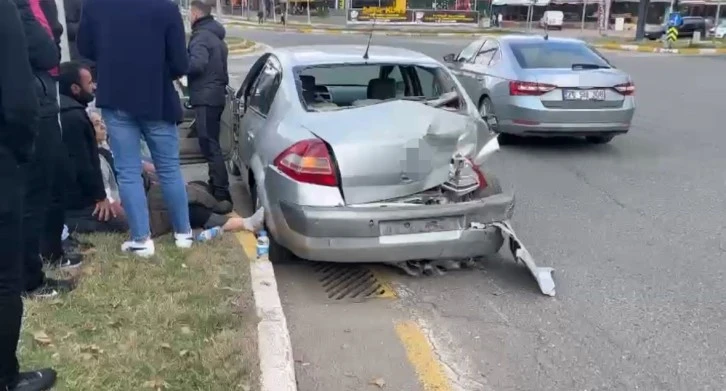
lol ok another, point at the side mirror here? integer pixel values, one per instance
(450, 57)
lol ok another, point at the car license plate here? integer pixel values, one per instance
(417, 226)
(584, 94)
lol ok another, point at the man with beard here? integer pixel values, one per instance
(88, 209)
(18, 113)
(43, 210)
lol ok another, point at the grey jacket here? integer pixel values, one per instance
(208, 77)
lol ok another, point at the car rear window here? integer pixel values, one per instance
(551, 54)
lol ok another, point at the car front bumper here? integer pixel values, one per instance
(353, 233)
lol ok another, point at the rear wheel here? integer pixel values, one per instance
(599, 139)
(277, 253)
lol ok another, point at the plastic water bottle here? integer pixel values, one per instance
(209, 234)
(263, 244)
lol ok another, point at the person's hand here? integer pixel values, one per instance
(103, 210)
(117, 210)
(149, 168)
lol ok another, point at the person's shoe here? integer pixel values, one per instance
(255, 222)
(184, 240)
(40, 380)
(49, 289)
(223, 207)
(70, 260)
(143, 249)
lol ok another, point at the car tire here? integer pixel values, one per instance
(604, 139)
(486, 107)
(508, 139)
(277, 253)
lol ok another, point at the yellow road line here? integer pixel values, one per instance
(420, 354)
(382, 277)
(249, 244)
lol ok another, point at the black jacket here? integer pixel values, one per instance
(44, 54)
(85, 186)
(18, 102)
(208, 77)
(73, 19)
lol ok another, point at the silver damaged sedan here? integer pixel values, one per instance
(371, 155)
(537, 86)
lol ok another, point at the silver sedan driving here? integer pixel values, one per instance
(538, 86)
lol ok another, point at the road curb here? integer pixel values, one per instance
(647, 49)
(251, 49)
(322, 30)
(274, 346)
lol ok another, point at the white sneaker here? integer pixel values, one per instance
(184, 240)
(143, 249)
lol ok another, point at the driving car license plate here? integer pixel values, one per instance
(417, 226)
(598, 94)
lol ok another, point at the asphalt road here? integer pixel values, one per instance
(635, 230)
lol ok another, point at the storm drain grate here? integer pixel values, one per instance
(351, 282)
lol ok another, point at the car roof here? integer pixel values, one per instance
(335, 54)
(535, 38)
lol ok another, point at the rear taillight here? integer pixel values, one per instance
(464, 176)
(479, 175)
(308, 161)
(527, 88)
(625, 89)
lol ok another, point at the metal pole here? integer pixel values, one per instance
(220, 12)
(584, 12)
(65, 50)
(287, 6)
(274, 12)
(309, 22)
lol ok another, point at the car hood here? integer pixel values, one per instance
(396, 148)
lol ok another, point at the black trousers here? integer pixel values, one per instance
(208, 123)
(83, 222)
(43, 215)
(11, 305)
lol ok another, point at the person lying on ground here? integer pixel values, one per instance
(205, 211)
(89, 208)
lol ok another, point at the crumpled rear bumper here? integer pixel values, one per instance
(353, 233)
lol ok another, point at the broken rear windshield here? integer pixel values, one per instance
(339, 86)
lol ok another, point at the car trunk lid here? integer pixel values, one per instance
(580, 88)
(396, 148)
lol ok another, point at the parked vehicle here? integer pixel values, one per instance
(719, 31)
(690, 25)
(370, 155)
(552, 19)
(538, 86)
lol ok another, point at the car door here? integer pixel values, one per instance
(257, 100)
(189, 149)
(460, 67)
(476, 71)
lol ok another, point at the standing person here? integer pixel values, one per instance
(73, 19)
(136, 68)
(18, 115)
(208, 79)
(43, 207)
(89, 208)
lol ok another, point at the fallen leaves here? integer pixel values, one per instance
(379, 382)
(156, 384)
(42, 339)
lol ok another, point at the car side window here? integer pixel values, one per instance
(430, 86)
(469, 51)
(265, 87)
(486, 53)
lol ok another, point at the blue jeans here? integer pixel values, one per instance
(125, 133)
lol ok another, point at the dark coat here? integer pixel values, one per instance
(18, 101)
(73, 19)
(208, 76)
(85, 180)
(139, 49)
(44, 55)
(159, 220)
